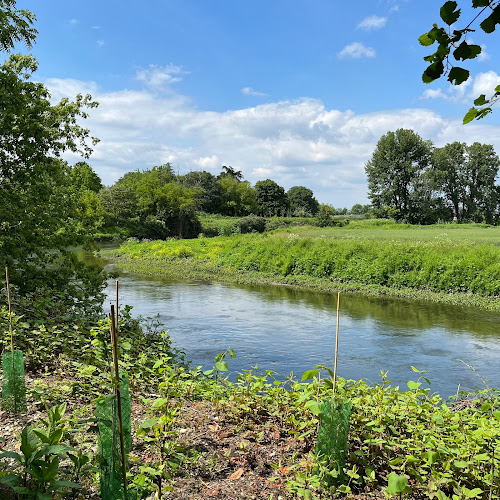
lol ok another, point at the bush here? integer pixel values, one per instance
(251, 224)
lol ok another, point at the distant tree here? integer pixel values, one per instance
(395, 173)
(325, 215)
(302, 201)
(82, 177)
(466, 177)
(231, 172)
(358, 209)
(211, 193)
(120, 204)
(239, 197)
(271, 198)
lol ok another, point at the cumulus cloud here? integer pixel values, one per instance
(372, 23)
(299, 142)
(482, 83)
(356, 50)
(251, 91)
(158, 77)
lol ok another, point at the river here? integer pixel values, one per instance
(288, 330)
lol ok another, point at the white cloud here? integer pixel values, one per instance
(372, 23)
(356, 50)
(482, 83)
(251, 91)
(157, 77)
(73, 21)
(100, 43)
(293, 142)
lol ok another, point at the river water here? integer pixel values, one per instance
(287, 330)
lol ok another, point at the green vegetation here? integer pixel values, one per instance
(193, 424)
(418, 262)
(410, 181)
(441, 64)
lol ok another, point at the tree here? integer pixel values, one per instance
(395, 173)
(325, 216)
(238, 197)
(83, 178)
(231, 172)
(302, 201)
(440, 62)
(358, 209)
(211, 194)
(271, 198)
(466, 177)
(38, 206)
(15, 26)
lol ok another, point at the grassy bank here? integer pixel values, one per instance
(424, 263)
(197, 435)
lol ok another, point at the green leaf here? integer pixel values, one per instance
(466, 51)
(148, 423)
(481, 100)
(126, 346)
(12, 454)
(490, 23)
(425, 40)
(458, 75)
(397, 484)
(222, 366)
(314, 407)
(480, 3)
(441, 496)
(309, 374)
(159, 402)
(470, 115)
(431, 456)
(448, 13)
(433, 72)
(65, 484)
(412, 385)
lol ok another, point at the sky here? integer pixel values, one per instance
(298, 91)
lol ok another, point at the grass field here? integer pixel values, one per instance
(390, 231)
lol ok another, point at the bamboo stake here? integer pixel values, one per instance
(114, 343)
(10, 310)
(336, 345)
(117, 309)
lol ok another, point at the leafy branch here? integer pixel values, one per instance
(453, 46)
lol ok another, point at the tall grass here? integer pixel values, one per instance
(438, 266)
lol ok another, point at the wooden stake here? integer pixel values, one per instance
(336, 345)
(117, 309)
(114, 344)
(10, 309)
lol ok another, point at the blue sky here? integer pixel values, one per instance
(293, 90)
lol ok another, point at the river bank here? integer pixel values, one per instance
(197, 436)
(450, 272)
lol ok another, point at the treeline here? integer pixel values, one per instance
(412, 181)
(157, 203)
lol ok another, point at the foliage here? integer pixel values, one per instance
(271, 198)
(238, 197)
(440, 62)
(302, 202)
(433, 265)
(15, 26)
(325, 216)
(210, 191)
(396, 174)
(466, 175)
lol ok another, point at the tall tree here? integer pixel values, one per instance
(271, 198)
(302, 201)
(211, 195)
(37, 206)
(239, 197)
(395, 173)
(231, 172)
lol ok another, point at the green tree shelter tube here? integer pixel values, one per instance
(333, 431)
